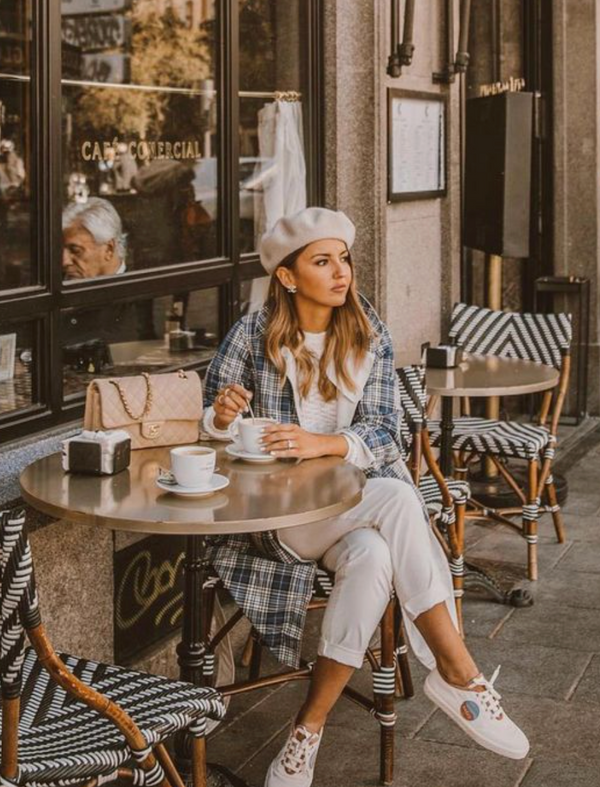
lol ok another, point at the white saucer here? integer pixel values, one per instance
(239, 453)
(216, 483)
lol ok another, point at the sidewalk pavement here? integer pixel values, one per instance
(549, 681)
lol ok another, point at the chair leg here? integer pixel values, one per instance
(530, 520)
(457, 563)
(169, 768)
(559, 525)
(383, 689)
(199, 778)
(403, 674)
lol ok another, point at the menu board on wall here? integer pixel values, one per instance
(416, 145)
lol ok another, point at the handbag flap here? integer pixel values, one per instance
(174, 398)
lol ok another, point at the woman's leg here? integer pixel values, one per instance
(453, 660)
(363, 585)
(328, 680)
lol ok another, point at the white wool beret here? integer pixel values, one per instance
(291, 233)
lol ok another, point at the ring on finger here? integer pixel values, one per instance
(222, 399)
(290, 445)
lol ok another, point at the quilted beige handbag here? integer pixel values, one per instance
(156, 409)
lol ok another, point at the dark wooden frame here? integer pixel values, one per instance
(392, 196)
(44, 301)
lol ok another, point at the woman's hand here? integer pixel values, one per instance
(230, 402)
(290, 441)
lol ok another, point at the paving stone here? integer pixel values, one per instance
(581, 558)
(557, 774)
(582, 528)
(481, 616)
(247, 734)
(588, 688)
(536, 670)
(504, 546)
(557, 730)
(581, 503)
(572, 588)
(346, 758)
(554, 625)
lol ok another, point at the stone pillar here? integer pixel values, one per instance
(576, 43)
(353, 156)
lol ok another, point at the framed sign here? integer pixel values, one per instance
(416, 145)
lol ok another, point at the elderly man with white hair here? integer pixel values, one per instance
(93, 240)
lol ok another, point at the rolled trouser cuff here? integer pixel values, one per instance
(436, 593)
(351, 658)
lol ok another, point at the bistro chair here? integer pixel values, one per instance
(445, 498)
(71, 721)
(540, 338)
(388, 660)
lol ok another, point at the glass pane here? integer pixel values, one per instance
(17, 268)
(273, 61)
(148, 335)
(253, 294)
(17, 355)
(139, 135)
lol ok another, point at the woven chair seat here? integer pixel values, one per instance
(500, 438)
(63, 742)
(430, 490)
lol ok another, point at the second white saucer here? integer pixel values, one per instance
(239, 453)
(216, 483)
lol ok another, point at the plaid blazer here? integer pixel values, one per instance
(271, 586)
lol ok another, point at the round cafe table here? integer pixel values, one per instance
(483, 376)
(259, 497)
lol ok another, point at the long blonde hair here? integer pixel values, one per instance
(348, 334)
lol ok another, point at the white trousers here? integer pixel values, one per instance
(383, 543)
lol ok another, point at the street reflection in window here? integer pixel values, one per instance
(139, 129)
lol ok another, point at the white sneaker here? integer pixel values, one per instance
(478, 712)
(295, 764)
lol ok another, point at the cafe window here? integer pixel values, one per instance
(145, 146)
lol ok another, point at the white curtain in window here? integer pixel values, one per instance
(280, 178)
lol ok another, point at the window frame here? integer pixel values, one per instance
(45, 300)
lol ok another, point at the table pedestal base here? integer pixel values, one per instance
(495, 492)
(476, 577)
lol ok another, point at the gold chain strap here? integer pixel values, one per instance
(149, 398)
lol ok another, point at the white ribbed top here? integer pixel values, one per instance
(317, 415)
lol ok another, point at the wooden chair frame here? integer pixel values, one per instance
(540, 481)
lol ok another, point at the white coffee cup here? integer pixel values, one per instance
(193, 465)
(248, 431)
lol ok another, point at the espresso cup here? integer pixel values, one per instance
(193, 465)
(248, 431)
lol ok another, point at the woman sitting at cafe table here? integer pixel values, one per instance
(319, 361)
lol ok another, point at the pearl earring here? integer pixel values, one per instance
(292, 289)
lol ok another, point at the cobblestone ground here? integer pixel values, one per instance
(550, 677)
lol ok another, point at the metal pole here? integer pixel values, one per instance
(494, 301)
(394, 68)
(407, 47)
(462, 53)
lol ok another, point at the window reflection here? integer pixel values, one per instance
(93, 240)
(152, 334)
(17, 356)
(139, 123)
(16, 268)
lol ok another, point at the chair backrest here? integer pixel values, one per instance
(413, 402)
(20, 608)
(542, 338)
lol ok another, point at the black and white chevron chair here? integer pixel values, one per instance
(445, 498)
(540, 338)
(69, 721)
